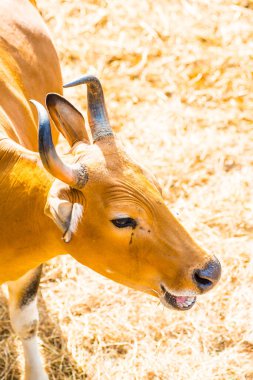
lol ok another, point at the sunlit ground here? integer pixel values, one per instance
(178, 83)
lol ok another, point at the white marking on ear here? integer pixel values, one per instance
(76, 216)
(64, 213)
(60, 210)
(67, 236)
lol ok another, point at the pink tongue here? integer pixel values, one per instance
(182, 299)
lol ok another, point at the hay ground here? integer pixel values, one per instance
(178, 80)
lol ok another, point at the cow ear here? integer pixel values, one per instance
(68, 120)
(61, 208)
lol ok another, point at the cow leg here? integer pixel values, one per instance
(24, 320)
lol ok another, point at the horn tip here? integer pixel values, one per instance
(86, 79)
(40, 108)
(72, 83)
(67, 85)
(34, 102)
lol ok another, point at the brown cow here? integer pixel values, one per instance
(97, 204)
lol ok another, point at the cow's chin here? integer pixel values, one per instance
(176, 302)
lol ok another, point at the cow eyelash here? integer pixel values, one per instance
(124, 222)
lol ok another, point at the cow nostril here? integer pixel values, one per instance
(207, 277)
(203, 282)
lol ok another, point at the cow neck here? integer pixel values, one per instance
(34, 237)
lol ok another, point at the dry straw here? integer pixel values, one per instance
(178, 80)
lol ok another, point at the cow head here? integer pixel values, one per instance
(111, 210)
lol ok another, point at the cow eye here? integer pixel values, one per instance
(124, 222)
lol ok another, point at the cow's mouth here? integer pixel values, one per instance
(177, 302)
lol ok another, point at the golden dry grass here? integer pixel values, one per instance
(178, 80)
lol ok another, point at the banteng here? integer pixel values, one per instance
(96, 203)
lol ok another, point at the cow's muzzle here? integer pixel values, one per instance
(204, 279)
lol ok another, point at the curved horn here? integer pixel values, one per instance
(75, 175)
(97, 113)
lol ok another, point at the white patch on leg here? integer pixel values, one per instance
(24, 321)
(33, 364)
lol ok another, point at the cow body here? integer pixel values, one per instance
(29, 68)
